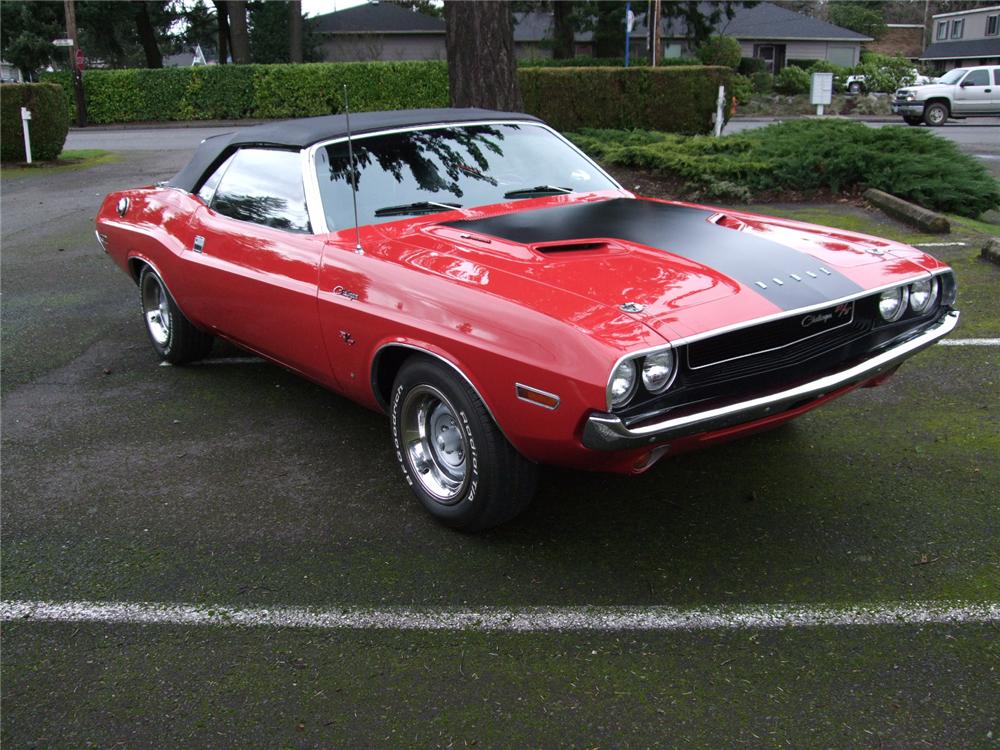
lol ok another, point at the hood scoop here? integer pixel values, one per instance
(570, 246)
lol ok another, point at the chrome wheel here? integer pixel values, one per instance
(156, 309)
(434, 443)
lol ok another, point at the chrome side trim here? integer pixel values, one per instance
(607, 432)
(314, 201)
(429, 353)
(519, 386)
(802, 310)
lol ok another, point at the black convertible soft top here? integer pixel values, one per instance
(297, 134)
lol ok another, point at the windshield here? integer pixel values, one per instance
(952, 76)
(420, 171)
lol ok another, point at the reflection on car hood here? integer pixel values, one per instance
(683, 267)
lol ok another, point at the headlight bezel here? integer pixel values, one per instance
(932, 295)
(902, 291)
(639, 386)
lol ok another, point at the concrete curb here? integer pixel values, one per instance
(910, 213)
(991, 250)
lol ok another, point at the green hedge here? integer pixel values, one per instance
(234, 92)
(806, 156)
(49, 121)
(676, 99)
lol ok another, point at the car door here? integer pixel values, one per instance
(973, 93)
(995, 93)
(254, 262)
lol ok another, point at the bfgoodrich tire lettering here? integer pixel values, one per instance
(451, 453)
(172, 335)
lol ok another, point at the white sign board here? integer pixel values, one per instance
(63, 42)
(822, 88)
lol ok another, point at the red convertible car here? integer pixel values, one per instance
(505, 301)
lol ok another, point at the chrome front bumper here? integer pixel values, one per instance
(606, 432)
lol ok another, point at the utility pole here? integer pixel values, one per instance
(656, 32)
(75, 68)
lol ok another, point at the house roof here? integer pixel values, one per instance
(297, 134)
(378, 18)
(768, 21)
(971, 48)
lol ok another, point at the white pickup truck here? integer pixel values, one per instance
(959, 93)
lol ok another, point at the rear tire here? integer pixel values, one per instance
(936, 114)
(855, 88)
(452, 454)
(173, 337)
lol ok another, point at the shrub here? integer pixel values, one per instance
(804, 64)
(792, 80)
(232, 92)
(637, 60)
(884, 73)
(742, 88)
(721, 50)
(763, 82)
(803, 156)
(49, 120)
(678, 99)
(751, 65)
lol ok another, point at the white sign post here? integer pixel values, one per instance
(25, 117)
(821, 92)
(720, 111)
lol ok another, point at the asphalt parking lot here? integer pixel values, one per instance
(234, 484)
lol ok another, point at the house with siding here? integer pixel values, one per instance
(963, 38)
(384, 31)
(775, 35)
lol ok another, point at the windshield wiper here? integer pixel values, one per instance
(537, 190)
(419, 207)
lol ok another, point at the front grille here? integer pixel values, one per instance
(761, 359)
(774, 338)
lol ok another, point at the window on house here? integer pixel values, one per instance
(957, 28)
(992, 25)
(942, 30)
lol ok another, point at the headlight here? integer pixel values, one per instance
(622, 383)
(922, 294)
(658, 371)
(892, 303)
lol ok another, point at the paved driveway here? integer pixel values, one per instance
(236, 485)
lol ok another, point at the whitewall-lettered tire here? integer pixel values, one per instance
(451, 453)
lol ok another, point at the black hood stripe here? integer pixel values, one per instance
(753, 261)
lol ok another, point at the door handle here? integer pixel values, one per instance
(989, 90)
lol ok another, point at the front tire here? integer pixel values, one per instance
(173, 337)
(936, 114)
(452, 454)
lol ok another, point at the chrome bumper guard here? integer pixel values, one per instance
(606, 432)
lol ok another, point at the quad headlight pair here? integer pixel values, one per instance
(656, 371)
(920, 296)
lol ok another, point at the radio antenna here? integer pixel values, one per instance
(354, 176)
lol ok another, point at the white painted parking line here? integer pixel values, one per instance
(969, 342)
(509, 620)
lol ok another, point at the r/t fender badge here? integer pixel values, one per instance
(631, 307)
